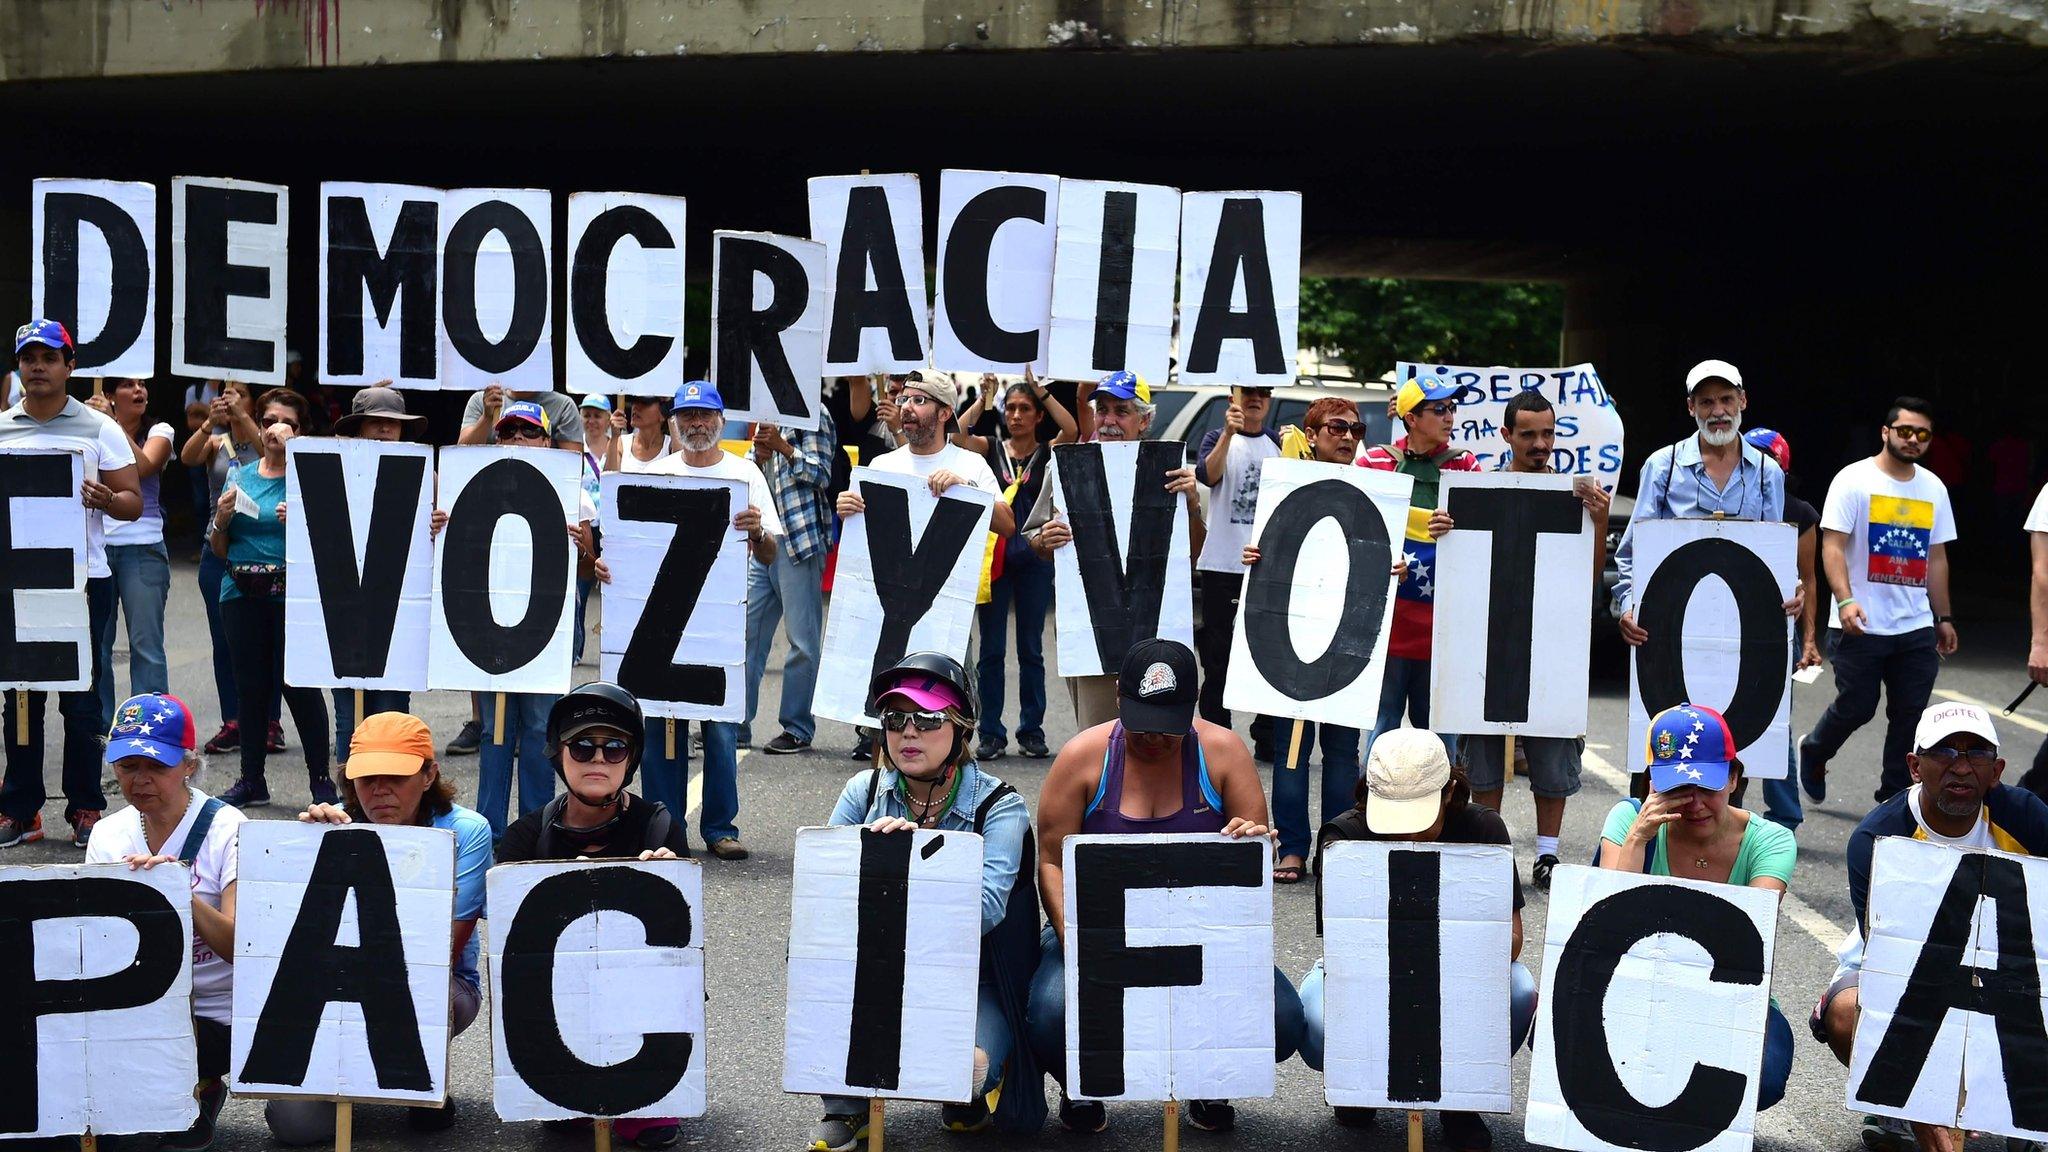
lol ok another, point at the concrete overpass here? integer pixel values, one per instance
(1842, 197)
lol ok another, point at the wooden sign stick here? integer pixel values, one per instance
(1414, 1131)
(602, 1131)
(344, 1125)
(1508, 772)
(1294, 744)
(498, 721)
(1171, 1134)
(670, 738)
(20, 718)
(875, 1124)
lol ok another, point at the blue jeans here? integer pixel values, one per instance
(142, 586)
(375, 700)
(1904, 667)
(1521, 1012)
(991, 1035)
(1027, 586)
(668, 780)
(526, 728)
(1290, 785)
(1045, 1019)
(1406, 689)
(790, 591)
(1777, 1059)
(22, 793)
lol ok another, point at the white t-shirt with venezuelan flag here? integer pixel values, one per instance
(1892, 527)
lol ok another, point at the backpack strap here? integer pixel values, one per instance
(874, 782)
(544, 844)
(660, 823)
(201, 825)
(988, 802)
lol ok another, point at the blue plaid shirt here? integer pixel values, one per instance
(800, 483)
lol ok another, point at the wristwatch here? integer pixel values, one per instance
(1944, 619)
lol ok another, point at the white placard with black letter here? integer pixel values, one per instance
(228, 278)
(1125, 577)
(1169, 949)
(873, 231)
(343, 936)
(505, 569)
(1589, 429)
(380, 284)
(45, 632)
(768, 317)
(908, 570)
(497, 290)
(1112, 280)
(1664, 980)
(861, 1020)
(92, 268)
(1310, 642)
(670, 540)
(1240, 287)
(572, 941)
(1522, 551)
(359, 564)
(625, 293)
(1950, 1030)
(1711, 595)
(994, 306)
(97, 962)
(1417, 939)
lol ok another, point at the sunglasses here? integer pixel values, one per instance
(1978, 757)
(613, 750)
(1343, 427)
(521, 432)
(1912, 433)
(1446, 408)
(268, 421)
(895, 720)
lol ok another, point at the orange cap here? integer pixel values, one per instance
(389, 744)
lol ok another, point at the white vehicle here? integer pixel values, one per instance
(1187, 412)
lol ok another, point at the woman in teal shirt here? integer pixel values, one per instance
(248, 532)
(1688, 829)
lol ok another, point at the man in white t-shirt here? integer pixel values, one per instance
(49, 418)
(2036, 778)
(698, 418)
(1229, 461)
(926, 407)
(152, 751)
(1884, 535)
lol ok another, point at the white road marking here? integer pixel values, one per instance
(2023, 721)
(1824, 931)
(694, 795)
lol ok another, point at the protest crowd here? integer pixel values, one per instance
(832, 533)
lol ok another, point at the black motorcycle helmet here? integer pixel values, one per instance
(936, 665)
(598, 702)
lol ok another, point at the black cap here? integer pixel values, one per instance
(1156, 692)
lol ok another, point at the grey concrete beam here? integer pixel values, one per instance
(79, 39)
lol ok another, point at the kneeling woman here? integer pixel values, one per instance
(392, 778)
(926, 777)
(594, 741)
(151, 750)
(1410, 793)
(1688, 828)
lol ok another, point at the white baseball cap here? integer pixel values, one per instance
(1404, 779)
(1707, 370)
(1943, 720)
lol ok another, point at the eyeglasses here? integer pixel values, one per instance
(917, 400)
(895, 720)
(521, 432)
(1912, 432)
(1943, 757)
(1447, 408)
(613, 750)
(291, 424)
(1342, 427)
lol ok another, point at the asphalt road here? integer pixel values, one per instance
(748, 909)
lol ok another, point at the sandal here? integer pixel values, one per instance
(1287, 874)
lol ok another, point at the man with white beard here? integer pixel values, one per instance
(1714, 475)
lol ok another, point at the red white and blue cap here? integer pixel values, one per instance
(701, 394)
(1690, 746)
(1772, 444)
(45, 332)
(158, 726)
(528, 411)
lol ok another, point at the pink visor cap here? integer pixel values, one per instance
(927, 692)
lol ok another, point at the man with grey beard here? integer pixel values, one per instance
(1955, 799)
(1712, 475)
